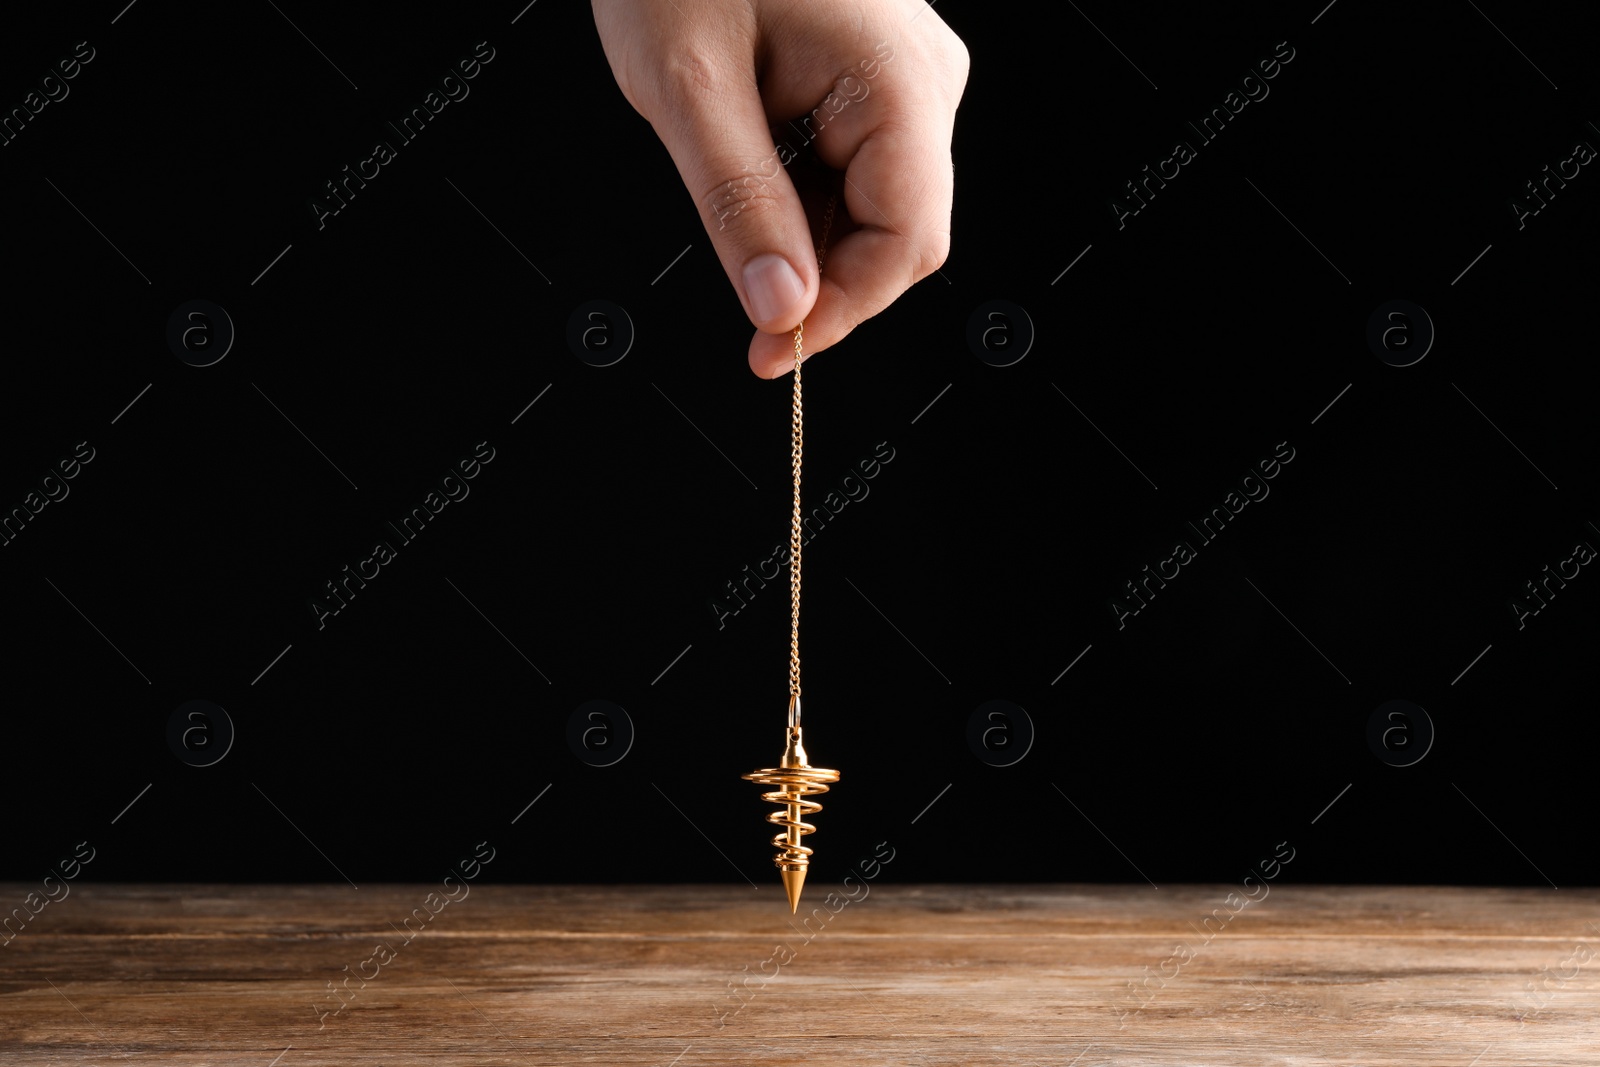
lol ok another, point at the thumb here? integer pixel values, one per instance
(714, 125)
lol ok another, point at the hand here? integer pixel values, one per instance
(736, 89)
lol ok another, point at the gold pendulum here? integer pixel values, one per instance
(794, 779)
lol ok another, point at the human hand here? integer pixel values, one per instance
(734, 88)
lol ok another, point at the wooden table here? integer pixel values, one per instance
(692, 975)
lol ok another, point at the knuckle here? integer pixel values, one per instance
(931, 253)
(960, 58)
(951, 58)
(750, 196)
(686, 73)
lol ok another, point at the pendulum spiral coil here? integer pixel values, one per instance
(793, 781)
(793, 784)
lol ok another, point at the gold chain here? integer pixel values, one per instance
(795, 529)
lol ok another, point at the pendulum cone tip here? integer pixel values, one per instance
(793, 882)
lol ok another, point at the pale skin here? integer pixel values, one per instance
(735, 88)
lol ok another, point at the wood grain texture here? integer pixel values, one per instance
(918, 975)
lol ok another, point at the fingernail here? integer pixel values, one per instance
(772, 285)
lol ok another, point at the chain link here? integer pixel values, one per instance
(795, 529)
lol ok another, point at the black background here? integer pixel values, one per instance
(426, 715)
